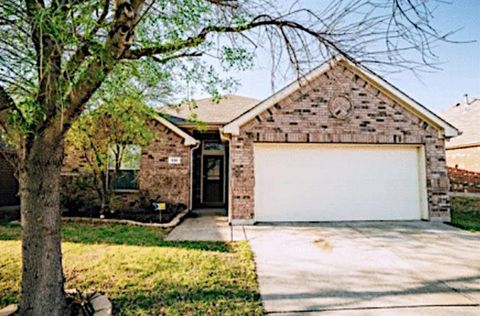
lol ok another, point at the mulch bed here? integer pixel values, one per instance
(139, 215)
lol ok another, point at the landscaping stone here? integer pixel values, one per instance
(101, 305)
(174, 222)
(9, 310)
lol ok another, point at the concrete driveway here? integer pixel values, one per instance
(400, 268)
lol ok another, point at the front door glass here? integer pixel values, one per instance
(213, 179)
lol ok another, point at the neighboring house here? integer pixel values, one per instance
(463, 152)
(464, 181)
(8, 181)
(339, 144)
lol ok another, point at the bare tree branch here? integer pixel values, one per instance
(176, 56)
(194, 41)
(234, 4)
(118, 41)
(85, 45)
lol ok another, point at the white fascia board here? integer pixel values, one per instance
(187, 139)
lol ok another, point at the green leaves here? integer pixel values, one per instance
(79, 32)
(236, 58)
(123, 120)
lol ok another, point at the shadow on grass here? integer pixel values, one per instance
(116, 234)
(179, 300)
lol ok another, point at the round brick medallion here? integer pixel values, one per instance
(340, 107)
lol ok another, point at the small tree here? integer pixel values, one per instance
(103, 138)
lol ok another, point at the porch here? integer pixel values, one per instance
(210, 174)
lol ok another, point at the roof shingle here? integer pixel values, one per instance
(466, 117)
(207, 111)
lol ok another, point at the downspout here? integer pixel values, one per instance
(226, 138)
(190, 200)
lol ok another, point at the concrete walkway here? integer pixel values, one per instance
(207, 228)
(376, 268)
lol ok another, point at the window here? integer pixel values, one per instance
(127, 175)
(213, 148)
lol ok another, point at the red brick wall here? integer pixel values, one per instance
(464, 180)
(159, 178)
(304, 117)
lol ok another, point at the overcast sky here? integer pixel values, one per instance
(437, 90)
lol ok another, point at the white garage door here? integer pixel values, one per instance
(338, 182)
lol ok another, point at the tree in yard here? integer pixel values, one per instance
(104, 138)
(57, 58)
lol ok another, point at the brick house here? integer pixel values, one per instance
(463, 152)
(339, 144)
(8, 181)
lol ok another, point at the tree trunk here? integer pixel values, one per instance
(105, 193)
(105, 204)
(42, 274)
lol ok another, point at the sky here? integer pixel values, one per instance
(437, 90)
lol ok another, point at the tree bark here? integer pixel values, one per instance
(105, 198)
(101, 187)
(42, 274)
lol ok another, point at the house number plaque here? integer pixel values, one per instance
(174, 160)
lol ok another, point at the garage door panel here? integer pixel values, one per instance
(326, 183)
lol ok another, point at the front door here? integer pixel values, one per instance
(213, 181)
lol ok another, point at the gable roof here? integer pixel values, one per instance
(207, 111)
(187, 139)
(466, 116)
(448, 130)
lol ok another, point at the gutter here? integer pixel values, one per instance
(463, 146)
(190, 200)
(227, 138)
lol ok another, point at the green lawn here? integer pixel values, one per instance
(466, 213)
(144, 275)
